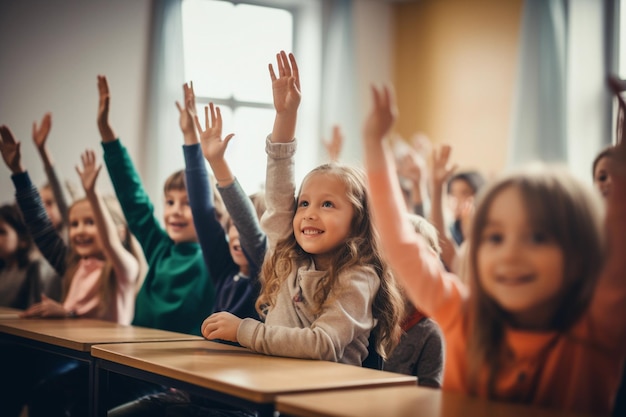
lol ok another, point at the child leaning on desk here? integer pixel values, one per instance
(325, 288)
(543, 321)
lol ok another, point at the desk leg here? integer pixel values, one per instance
(100, 391)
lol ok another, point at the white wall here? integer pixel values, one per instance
(50, 55)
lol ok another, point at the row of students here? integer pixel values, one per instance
(326, 289)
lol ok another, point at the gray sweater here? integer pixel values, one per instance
(340, 333)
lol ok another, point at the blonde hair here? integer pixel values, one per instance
(107, 281)
(427, 230)
(361, 247)
(568, 212)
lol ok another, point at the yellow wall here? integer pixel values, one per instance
(455, 63)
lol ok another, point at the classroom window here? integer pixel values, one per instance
(227, 48)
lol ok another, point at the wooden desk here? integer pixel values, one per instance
(9, 313)
(234, 375)
(401, 402)
(73, 338)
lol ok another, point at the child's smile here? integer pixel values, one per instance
(519, 267)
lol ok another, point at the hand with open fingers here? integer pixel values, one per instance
(213, 146)
(222, 325)
(285, 87)
(381, 118)
(441, 169)
(106, 132)
(47, 308)
(10, 149)
(335, 144)
(187, 114)
(40, 134)
(89, 174)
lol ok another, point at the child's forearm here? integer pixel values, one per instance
(284, 127)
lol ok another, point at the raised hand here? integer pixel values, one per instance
(10, 149)
(213, 146)
(221, 326)
(441, 169)
(334, 145)
(106, 132)
(40, 134)
(285, 87)
(187, 115)
(89, 174)
(382, 116)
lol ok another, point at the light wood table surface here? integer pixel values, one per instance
(402, 402)
(81, 334)
(235, 375)
(9, 313)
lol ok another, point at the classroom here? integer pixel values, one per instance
(483, 90)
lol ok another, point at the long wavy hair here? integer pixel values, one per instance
(361, 248)
(565, 210)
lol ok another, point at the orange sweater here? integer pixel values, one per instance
(576, 371)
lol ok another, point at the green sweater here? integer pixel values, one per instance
(177, 293)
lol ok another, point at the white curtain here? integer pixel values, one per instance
(561, 99)
(163, 146)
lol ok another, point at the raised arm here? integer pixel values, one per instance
(286, 93)
(334, 145)
(413, 263)
(281, 148)
(40, 138)
(124, 263)
(106, 132)
(238, 205)
(213, 146)
(441, 171)
(39, 225)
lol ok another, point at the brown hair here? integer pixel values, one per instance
(565, 210)
(12, 216)
(607, 152)
(361, 247)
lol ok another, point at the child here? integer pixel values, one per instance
(233, 261)
(324, 284)
(600, 171)
(420, 351)
(177, 292)
(23, 276)
(234, 276)
(534, 327)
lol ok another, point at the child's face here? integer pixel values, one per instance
(9, 241)
(602, 177)
(323, 217)
(83, 232)
(51, 207)
(177, 217)
(460, 194)
(520, 268)
(235, 249)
